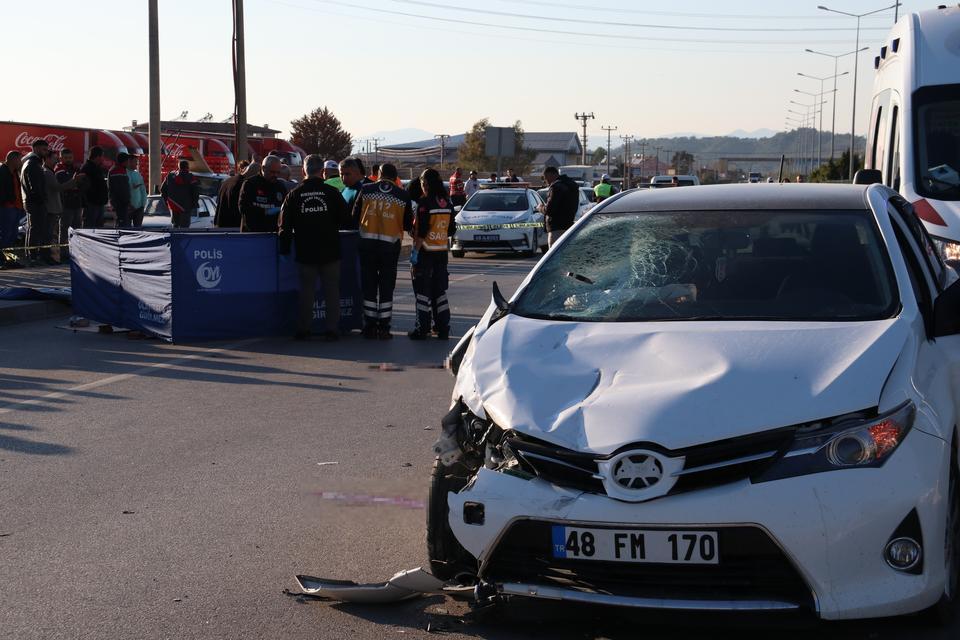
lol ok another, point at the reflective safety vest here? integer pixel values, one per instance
(436, 239)
(603, 190)
(383, 207)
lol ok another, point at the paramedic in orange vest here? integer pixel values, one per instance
(382, 212)
(433, 227)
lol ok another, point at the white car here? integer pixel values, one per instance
(500, 219)
(738, 397)
(156, 214)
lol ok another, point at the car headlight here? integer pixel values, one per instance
(948, 249)
(846, 444)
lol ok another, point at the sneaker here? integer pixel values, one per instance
(302, 336)
(330, 336)
(416, 334)
(370, 332)
(383, 333)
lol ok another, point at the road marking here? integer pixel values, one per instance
(17, 406)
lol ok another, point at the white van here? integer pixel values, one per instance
(914, 135)
(583, 174)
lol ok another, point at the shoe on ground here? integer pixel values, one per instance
(302, 336)
(370, 332)
(383, 333)
(330, 336)
(418, 335)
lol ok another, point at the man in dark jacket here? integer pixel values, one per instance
(310, 218)
(228, 199)
(10, 206)
(181, 191)
(95, 192)
(72, 216)
(352, 174)
(261, 197)
(118, 185)
(34, 187)
(563, 201)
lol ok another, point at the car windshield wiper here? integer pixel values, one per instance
(577, 276)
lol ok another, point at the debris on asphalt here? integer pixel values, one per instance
(406, 464)
(389, 426)
(428, 428)
(4, 535)
(127, 513)
(326, 464)
(178, 599)
(386, 366)
(358, 500)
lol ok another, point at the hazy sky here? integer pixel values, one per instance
(438, 68)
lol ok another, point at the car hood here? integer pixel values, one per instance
(599, 386)
(492, 217)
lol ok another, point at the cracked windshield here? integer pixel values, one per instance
(716, 265)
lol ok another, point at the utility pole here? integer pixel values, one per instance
(656, 170)
(609, 130)
(627, 161)
(583, 117)
(442, 137)
(376, 149)
(240, 81)
(154, 127)
(643, 157)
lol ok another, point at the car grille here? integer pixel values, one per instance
(751, 567)
(706, 465)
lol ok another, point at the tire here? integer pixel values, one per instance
(447, 557)
(947, 610)
(456, 253)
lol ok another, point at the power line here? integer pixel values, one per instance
(678, 14)
(590, 34)
(672, 27)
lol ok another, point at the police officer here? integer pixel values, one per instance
(433, 226)
(382, 212)
(604, 190)
(311, 218)
(261, 197)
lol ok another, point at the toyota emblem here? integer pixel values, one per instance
(637, 472)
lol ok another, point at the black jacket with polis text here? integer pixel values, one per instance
(311, 218)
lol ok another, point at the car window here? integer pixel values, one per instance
(918, 282)
(485, 201)
(203, 211)
(155, 207)
(932, 260)
(723, 265)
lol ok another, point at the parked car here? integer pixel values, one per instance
(685, 181)
(500, 218)
(156, 214)
(737, 397)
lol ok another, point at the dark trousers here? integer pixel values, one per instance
(123, 218)
(92, 216)
(9, 226)
(181, 219)
(38, 233)
(136, 217)
(378, 279)
(430, 282)
(329, 275)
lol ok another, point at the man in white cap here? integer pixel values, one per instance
(331, 175)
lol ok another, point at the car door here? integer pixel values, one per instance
(937, 362)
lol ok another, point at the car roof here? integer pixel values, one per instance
(741, 196)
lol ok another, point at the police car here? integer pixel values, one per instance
(156, 215)
(501, 217)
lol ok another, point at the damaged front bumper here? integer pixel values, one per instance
(404, 585)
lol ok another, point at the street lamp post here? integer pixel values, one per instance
(856, 67)
(836, 58)
(820, 130)
(811, 114)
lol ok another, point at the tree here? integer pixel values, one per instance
(599, 155)
(320, 132)
(837, 170)
(683, 163)
(472, 154)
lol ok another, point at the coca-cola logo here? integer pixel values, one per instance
(175, 150)
(56, 142)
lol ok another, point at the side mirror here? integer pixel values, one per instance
(457, 209)
(500, 302)
(868, 176)
(946, 312)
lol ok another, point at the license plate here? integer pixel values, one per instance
(486, 238)
(635, 545)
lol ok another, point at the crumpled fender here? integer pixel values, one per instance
(404, 585)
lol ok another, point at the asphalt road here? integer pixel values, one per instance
(150, 490)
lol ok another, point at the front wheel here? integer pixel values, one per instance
(945, 612)
(457, 253)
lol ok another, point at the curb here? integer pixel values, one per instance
(20, 311)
